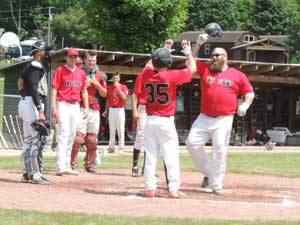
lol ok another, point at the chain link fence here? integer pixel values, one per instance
(10, 123)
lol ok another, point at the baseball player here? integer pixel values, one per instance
(220, 87)
(139, 115)
(89, 127)
(33, 88)
(115, 103)
(160, 132)
(68, 88)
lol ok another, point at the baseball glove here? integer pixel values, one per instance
(43, 128)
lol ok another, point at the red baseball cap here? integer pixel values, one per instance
(72, 51)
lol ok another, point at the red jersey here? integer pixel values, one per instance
(219, 91)
(93, 94)
(162, 88)
(141, 93)
(68, 84)
(114, 100)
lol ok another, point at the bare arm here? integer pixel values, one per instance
(53, 105)
(135, 113)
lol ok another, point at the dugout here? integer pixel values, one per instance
(277, 91)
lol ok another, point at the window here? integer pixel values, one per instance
(252, 57)
(207, 49)
(248, 38)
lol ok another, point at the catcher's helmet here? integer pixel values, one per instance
(38, 45)
(161, 58)
(214, 30)
(43, 128)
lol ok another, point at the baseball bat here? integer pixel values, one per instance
(14, 130)
(9, 131)
(3, 140)
(19, 130)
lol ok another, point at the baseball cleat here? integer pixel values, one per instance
(205, 182)
(150, 193)
(25, 178)
(71, 172)
(135, 171)
(91, 170)
(217, 191)
(176, 194)
(36, 179)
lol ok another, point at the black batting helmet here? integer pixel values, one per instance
(161, 58)
(38, 45)
(214, 30)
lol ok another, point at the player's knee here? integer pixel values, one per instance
(91, 138)
(79, 139)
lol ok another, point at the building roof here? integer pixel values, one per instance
(276, 44)
(228, 36)
(279, 38)
(133, 63)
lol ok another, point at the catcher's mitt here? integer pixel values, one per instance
(43, 128)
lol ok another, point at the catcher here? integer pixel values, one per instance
(32, 86)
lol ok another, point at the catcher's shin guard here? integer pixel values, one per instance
(34, 152)
(91, 147)
(79, 140)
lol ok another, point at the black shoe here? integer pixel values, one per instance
(91, 170)
(25, 178)
(205, 182)
(135, 171)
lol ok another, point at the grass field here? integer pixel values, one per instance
(22, 217)
(276, 164)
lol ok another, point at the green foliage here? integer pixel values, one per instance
(136, 26)
(202, 12)
(72, 26)
(269, 17)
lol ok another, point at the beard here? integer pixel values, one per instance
(216, 66)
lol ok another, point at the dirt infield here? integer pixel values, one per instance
(115, 192)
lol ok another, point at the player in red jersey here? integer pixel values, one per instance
(68, 87)
(139, 100)
(220, 87)
(89, 127)
(160, 133)
(115, 103)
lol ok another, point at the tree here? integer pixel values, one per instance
(136, 25)
(202, 12)
(72, 29)
(269, 17)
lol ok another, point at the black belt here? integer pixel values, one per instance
(70, 102)
(115, 107)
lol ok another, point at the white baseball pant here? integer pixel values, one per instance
(160, 134)
(90, 124)
(116, 119)
(139, 138)
(68, 122)
(28, 112)
(218, 129)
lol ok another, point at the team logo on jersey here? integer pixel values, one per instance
(210, 80)
(226, 83)
(73, 83)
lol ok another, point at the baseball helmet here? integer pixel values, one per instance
(43, 128)
(38, 45)
(161, 58)
(214, 30)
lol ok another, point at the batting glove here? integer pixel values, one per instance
(202, 38)
(186, 47)
(243, 109)
(168, 44)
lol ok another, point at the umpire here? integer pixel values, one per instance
(32, 85)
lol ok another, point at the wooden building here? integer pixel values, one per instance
(277, 90)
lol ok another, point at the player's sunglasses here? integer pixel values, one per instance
(215, 55)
